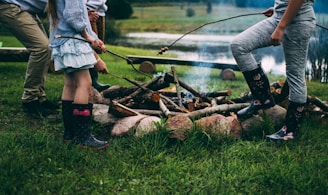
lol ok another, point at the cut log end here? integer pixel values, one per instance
(147, 67)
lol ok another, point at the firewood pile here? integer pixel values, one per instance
(142, 108)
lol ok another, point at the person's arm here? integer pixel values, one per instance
(291, 11)
(74, 15)
(96, 44)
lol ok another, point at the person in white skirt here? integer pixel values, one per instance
(75, 56)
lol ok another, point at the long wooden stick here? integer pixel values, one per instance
(176, 82)
(187, 87)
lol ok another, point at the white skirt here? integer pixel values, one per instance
(73, 55)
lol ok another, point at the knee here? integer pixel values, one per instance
(41, 46)
(237, 48)
(44, 47)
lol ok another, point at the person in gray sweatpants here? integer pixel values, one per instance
(290, 23)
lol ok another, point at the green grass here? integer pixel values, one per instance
(173, 19)
(34, 160)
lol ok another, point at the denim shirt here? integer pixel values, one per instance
(32, 6)
(305, 13)
(97, 5)
(72, 20)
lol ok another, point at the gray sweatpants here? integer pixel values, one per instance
(295, 47)
(29, 30)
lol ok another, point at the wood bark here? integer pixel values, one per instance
(177, 85)
(120, 110)
(170, 78)
(224, 108)
(120, 91)
(316, 101)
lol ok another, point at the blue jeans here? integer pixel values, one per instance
(295, 47)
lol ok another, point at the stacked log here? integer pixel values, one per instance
(142, 108)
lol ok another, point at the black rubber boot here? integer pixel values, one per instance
(260, 88)
(292, 125)
(94, 77)
(82, 118)
(67, 114)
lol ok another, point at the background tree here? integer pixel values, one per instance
(119, 9)
(209, 6)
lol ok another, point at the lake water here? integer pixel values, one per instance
(204, 47)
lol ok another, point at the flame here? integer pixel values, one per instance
(169, 89)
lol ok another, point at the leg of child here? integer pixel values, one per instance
(83, 86)
(78, 85)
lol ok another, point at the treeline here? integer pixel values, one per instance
(320, 6)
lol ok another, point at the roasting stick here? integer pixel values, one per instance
(166, 48)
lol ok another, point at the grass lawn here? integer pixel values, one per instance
(34, 160)
(173, 19)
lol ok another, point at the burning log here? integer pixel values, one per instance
(216, 101)
(135, 93)
(119, 91)
(175, 106)
(170, 78)
(217, 93)
(176, 82)
(279, 91)
(148, 99)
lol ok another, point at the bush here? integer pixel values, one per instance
(190, 12)
(119, 9)
(209, 7)
(318, 55)
(111, 33)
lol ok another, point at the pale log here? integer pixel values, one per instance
(164, 109)
(217, 93)
(120, 110)
(223, 108)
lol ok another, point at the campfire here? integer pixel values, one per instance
(139, 109)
